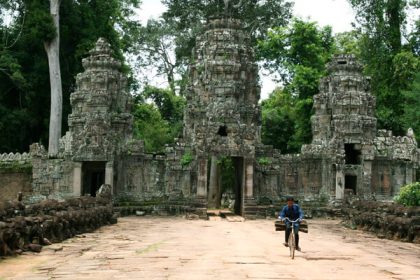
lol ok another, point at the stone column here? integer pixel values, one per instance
(202, 178)
(109, 174)
(339, 183)
(409, 174)
(214, 187)
(366, 190)
(77, 179)
(249, 178)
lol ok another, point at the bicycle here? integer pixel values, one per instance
(291, 242)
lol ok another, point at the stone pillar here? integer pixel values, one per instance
(366, 190)
(77, 178)
(202, 178)
(214, 186)
(249, 178)
(339, 184)
(109, 174)
(409, 174)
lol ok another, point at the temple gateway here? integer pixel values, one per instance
(348, 155)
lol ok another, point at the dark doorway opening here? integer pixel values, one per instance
(225, 184)
(350, 184)
(222, 131)
(93, 176)
(352, 154)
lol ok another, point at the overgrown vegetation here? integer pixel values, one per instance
(16, 167)
(187, 158)
(409, 195)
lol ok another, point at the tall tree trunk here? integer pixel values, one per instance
(53, 52)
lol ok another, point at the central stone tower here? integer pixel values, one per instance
(222, 118)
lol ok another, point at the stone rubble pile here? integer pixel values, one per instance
(386, 219)
(29, 227)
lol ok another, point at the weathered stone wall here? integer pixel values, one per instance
(12, 183)
(150, 179)
(389, 176)
(28, 227)
(387, 220)
(15, 175)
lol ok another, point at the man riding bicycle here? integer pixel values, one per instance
(293, 212)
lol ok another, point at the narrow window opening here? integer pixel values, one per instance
(222, 130)
(352, 155)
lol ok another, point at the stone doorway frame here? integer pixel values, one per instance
(78, 176)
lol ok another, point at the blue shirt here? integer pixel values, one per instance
(293, 213)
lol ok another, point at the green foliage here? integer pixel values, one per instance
(170, 106)
(151, 127)
(409, 195)
(227, 174)
(264, 161)
(348, 43)
(297, 54)
(278, 120)
(187, 158)
(16, 167)
(389, 62)
(411, 115)
(39, 21)
(187, 18)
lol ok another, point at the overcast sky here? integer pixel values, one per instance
(336, 13)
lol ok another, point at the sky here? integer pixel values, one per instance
(336, 13)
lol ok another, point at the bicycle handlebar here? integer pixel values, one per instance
(293, 221)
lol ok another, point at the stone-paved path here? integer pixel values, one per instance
(175, 248)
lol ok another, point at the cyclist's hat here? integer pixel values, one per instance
(290, 198)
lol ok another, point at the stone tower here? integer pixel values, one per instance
(363, 161)
(344, 108)
(223, 115)
(222, 118)
(101, 120)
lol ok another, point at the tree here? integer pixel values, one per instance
(278, 120)
(52, 48)
(150, 127)
(348, 43)
(154, 48)
(382, 25)
(297, 54)
(411, 115)
(171, 111)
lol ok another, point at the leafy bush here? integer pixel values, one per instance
(187, 158)
(264, 161)
(409, 195)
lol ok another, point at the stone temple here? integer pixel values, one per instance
(348, 156)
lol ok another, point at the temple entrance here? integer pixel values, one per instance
(225, 184)
(350, 184)
(93, 176)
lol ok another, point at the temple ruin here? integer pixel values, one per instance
(347, 157)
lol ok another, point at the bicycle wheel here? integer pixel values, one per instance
(292, 243)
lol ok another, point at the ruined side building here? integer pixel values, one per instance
(347, 157)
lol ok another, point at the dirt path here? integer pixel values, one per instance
(175, 248)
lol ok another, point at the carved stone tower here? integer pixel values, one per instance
(100, 122)
(344, 108)
(222, 118)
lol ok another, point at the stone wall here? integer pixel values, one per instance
(15, 175)
(157, 183)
